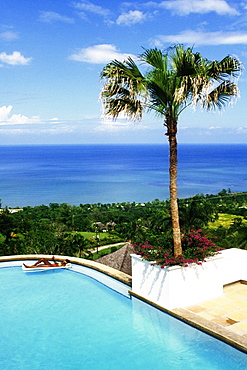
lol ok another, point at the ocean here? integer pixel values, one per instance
(75, 174)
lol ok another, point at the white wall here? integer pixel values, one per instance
(177, 287)
(233, 266)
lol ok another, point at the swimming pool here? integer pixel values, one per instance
(66, 320)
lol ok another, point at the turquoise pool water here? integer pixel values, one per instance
(66, 320)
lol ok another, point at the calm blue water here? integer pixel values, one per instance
(34, 175)
(65, 320)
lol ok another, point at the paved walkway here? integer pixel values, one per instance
(228, 311)
(93, 250)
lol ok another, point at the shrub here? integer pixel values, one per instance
(196, 248)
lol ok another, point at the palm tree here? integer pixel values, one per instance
(174, 80)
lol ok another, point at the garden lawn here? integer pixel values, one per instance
(88, 235)
(224, 220)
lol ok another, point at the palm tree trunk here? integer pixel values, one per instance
(172, 132)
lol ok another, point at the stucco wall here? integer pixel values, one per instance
(178, 287)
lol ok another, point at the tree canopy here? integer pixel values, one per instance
(174, 80)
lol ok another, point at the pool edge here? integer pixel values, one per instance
(116, 274)
(202, 324)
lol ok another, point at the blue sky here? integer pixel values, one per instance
(52, 53)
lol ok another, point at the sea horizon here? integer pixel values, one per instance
(76, 174)
(122, 144)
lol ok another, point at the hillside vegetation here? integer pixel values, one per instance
(77, 230)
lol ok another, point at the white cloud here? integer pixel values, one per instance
(132, 17)
(9, 35)
(99, 54)
(4, 112)
(242, 129)
(49, 17)
(15, 119)
(20, 124)
(14, 59)
(122, 123)
(29, 133)
(203, 38)
(92, 8)
(215, 128)
(216, 135)
(120, 127)
(111, 127)
(185, 7)
(58, 129)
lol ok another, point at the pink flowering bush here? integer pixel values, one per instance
(196, 248)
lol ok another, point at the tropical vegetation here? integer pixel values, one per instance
(175, 79)
(196, 249)
(80, 230)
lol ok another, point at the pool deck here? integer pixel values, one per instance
(225, 316)
(229, 311)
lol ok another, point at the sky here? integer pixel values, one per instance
(52, 53)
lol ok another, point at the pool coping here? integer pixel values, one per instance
(184, 315)
(118, 275)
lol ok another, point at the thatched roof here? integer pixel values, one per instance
(119, 260)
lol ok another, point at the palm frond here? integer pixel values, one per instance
(124, 74)
(185, 62)
(175, 79)
(220, 96)
(132, 108)
(155, 58)
(124, 89)
(227, 67)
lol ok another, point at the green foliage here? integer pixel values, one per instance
(196, 248)
(6, 224)
(225, 220)
(174, 79)
(234, 236)
(105, 251)
(196, 212)
(70, 230)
